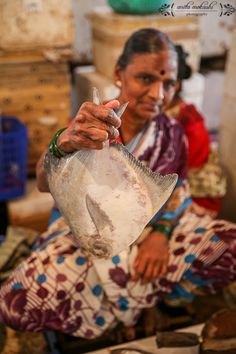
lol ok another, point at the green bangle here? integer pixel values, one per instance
(164, 229)
(53, 148)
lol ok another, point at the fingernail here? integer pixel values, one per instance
(115, 119)
(112, 114)
(116, 132)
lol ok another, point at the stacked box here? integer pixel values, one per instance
(39, 95)
(35, 44)
(30, 25)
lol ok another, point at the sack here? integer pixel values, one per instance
(208, 180)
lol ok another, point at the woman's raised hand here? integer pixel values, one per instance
(91, 127)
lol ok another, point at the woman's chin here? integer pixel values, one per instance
(149, 114)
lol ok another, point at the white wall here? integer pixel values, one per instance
(215, 34)
(228, 132)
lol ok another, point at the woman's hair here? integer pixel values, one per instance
(184, 70)
(146, 40)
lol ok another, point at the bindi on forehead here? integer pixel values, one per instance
(162, 72)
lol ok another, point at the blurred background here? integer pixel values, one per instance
(51, 55)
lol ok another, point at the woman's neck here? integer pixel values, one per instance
(130, 128)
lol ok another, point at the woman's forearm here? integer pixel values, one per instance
(42, 183)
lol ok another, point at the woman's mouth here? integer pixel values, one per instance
(151, 106)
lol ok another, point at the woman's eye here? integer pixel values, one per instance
(169, 84)
(146, 79)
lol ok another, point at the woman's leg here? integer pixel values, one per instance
(56, 288)
(206, 258)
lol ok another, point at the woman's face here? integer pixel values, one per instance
(148, 83)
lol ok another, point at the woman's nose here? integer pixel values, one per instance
(156, 91)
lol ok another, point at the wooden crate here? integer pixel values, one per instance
(110, 31)
(32, 210)
(39, 94)
(31, 25)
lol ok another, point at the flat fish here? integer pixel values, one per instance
(107, 196)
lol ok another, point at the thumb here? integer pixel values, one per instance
(114, 104)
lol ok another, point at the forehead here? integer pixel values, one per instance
(155, 63)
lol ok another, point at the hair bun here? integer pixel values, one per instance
(184, 69)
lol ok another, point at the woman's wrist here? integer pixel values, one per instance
(165, 229)
(53, 148)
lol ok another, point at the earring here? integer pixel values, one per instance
(118, 83)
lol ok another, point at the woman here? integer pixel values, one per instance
(205, 175)
(60, 288)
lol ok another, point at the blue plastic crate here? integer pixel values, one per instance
(13, 158)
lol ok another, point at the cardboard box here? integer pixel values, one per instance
(35, 24)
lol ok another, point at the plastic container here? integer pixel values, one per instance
(140, 7)
(13, 157)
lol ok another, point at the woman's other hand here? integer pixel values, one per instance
(152, 259)
(91, 127)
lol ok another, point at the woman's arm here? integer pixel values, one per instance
(92, 126)
(152, 259)
(42, 183)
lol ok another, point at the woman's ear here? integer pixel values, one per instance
(117, 76)
(177, 87)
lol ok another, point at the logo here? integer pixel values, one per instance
(196, 8)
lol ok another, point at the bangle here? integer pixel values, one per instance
(53, 148)
(164, 229)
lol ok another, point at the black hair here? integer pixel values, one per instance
(146, 40)
(184, 70)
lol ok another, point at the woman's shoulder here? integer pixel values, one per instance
(165, 122)
(189, 115)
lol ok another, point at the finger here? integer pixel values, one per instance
(96, 113)
(149, 271)
(148, 274)
(87, 123)
(85, 143)
(135, 276)
(114, 104)
(156, 270)
(140, 266)
(113, 118)
(94, 134)
(163, 269)
(113, 133)
(73, 140)
(101, 132)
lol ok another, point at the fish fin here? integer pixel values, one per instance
(96, 96)
(160, 187)
(121, 110)
(98, 216)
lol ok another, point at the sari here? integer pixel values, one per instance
(59, 287)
